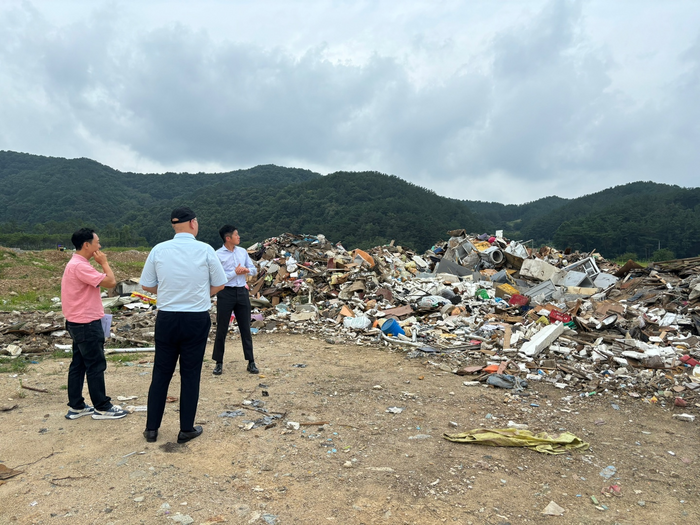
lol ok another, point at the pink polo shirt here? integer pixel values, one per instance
(80, 291)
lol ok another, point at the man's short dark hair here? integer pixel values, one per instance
(82, 236)
(226, 230)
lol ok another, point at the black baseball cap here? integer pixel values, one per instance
(181, 214)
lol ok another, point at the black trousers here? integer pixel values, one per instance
(183, 336)
(88, 361)
(236, 300)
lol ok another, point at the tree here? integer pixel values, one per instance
(664, 254)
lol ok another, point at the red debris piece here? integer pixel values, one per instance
(680, 402)
(518, 300)
(614, 490)
(555, 315)
(689, 360)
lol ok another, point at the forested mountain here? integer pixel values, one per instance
(44, 199)
(358, 209)
(513, 217)
(638, 223)
(37, 190)
(635, 218)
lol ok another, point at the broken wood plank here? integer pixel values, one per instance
(506, 337)
(35, 389)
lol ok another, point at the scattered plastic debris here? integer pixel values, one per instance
(552, 509)
(608, 472)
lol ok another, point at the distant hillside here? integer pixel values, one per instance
(514, 217)
(40, 189)
(44, 199)
(636, 218)
(657, 216)
(358, 209)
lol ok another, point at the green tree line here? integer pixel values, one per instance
(44, 199)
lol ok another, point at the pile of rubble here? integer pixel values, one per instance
(478, 305)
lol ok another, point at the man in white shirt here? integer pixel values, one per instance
(184, 273)
(233, 298)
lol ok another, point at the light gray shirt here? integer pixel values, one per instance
(184, 269)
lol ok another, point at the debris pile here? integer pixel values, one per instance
(477, 305)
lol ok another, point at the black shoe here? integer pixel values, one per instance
(218, 369)
(150, 435)
(252, 368)
(184, 437)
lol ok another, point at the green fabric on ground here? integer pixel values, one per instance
(512, 437)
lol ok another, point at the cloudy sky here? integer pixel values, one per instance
(505, 101)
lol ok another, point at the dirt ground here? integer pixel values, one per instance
(349, 461)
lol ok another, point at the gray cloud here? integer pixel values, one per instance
(532, 111)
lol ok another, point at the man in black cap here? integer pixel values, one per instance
(184, 273)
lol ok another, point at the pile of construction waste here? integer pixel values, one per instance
(477, 305)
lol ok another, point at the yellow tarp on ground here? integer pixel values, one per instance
(512, 437)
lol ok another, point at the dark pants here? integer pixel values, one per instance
(236, 300)
(180, 335)
(88, 361)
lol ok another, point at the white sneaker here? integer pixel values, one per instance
(75, 414)
(115, 412)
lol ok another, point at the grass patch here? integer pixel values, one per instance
(120, 358)
(10, 261)
(134, 267)
(12, 366)
(49, 267)
(126, 358)
(127, 249)
(30, 300)
(36, 262)
(61, 354)
(621, 261)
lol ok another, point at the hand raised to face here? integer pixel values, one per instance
(100, 258)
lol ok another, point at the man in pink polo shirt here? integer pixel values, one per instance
(82, 308)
